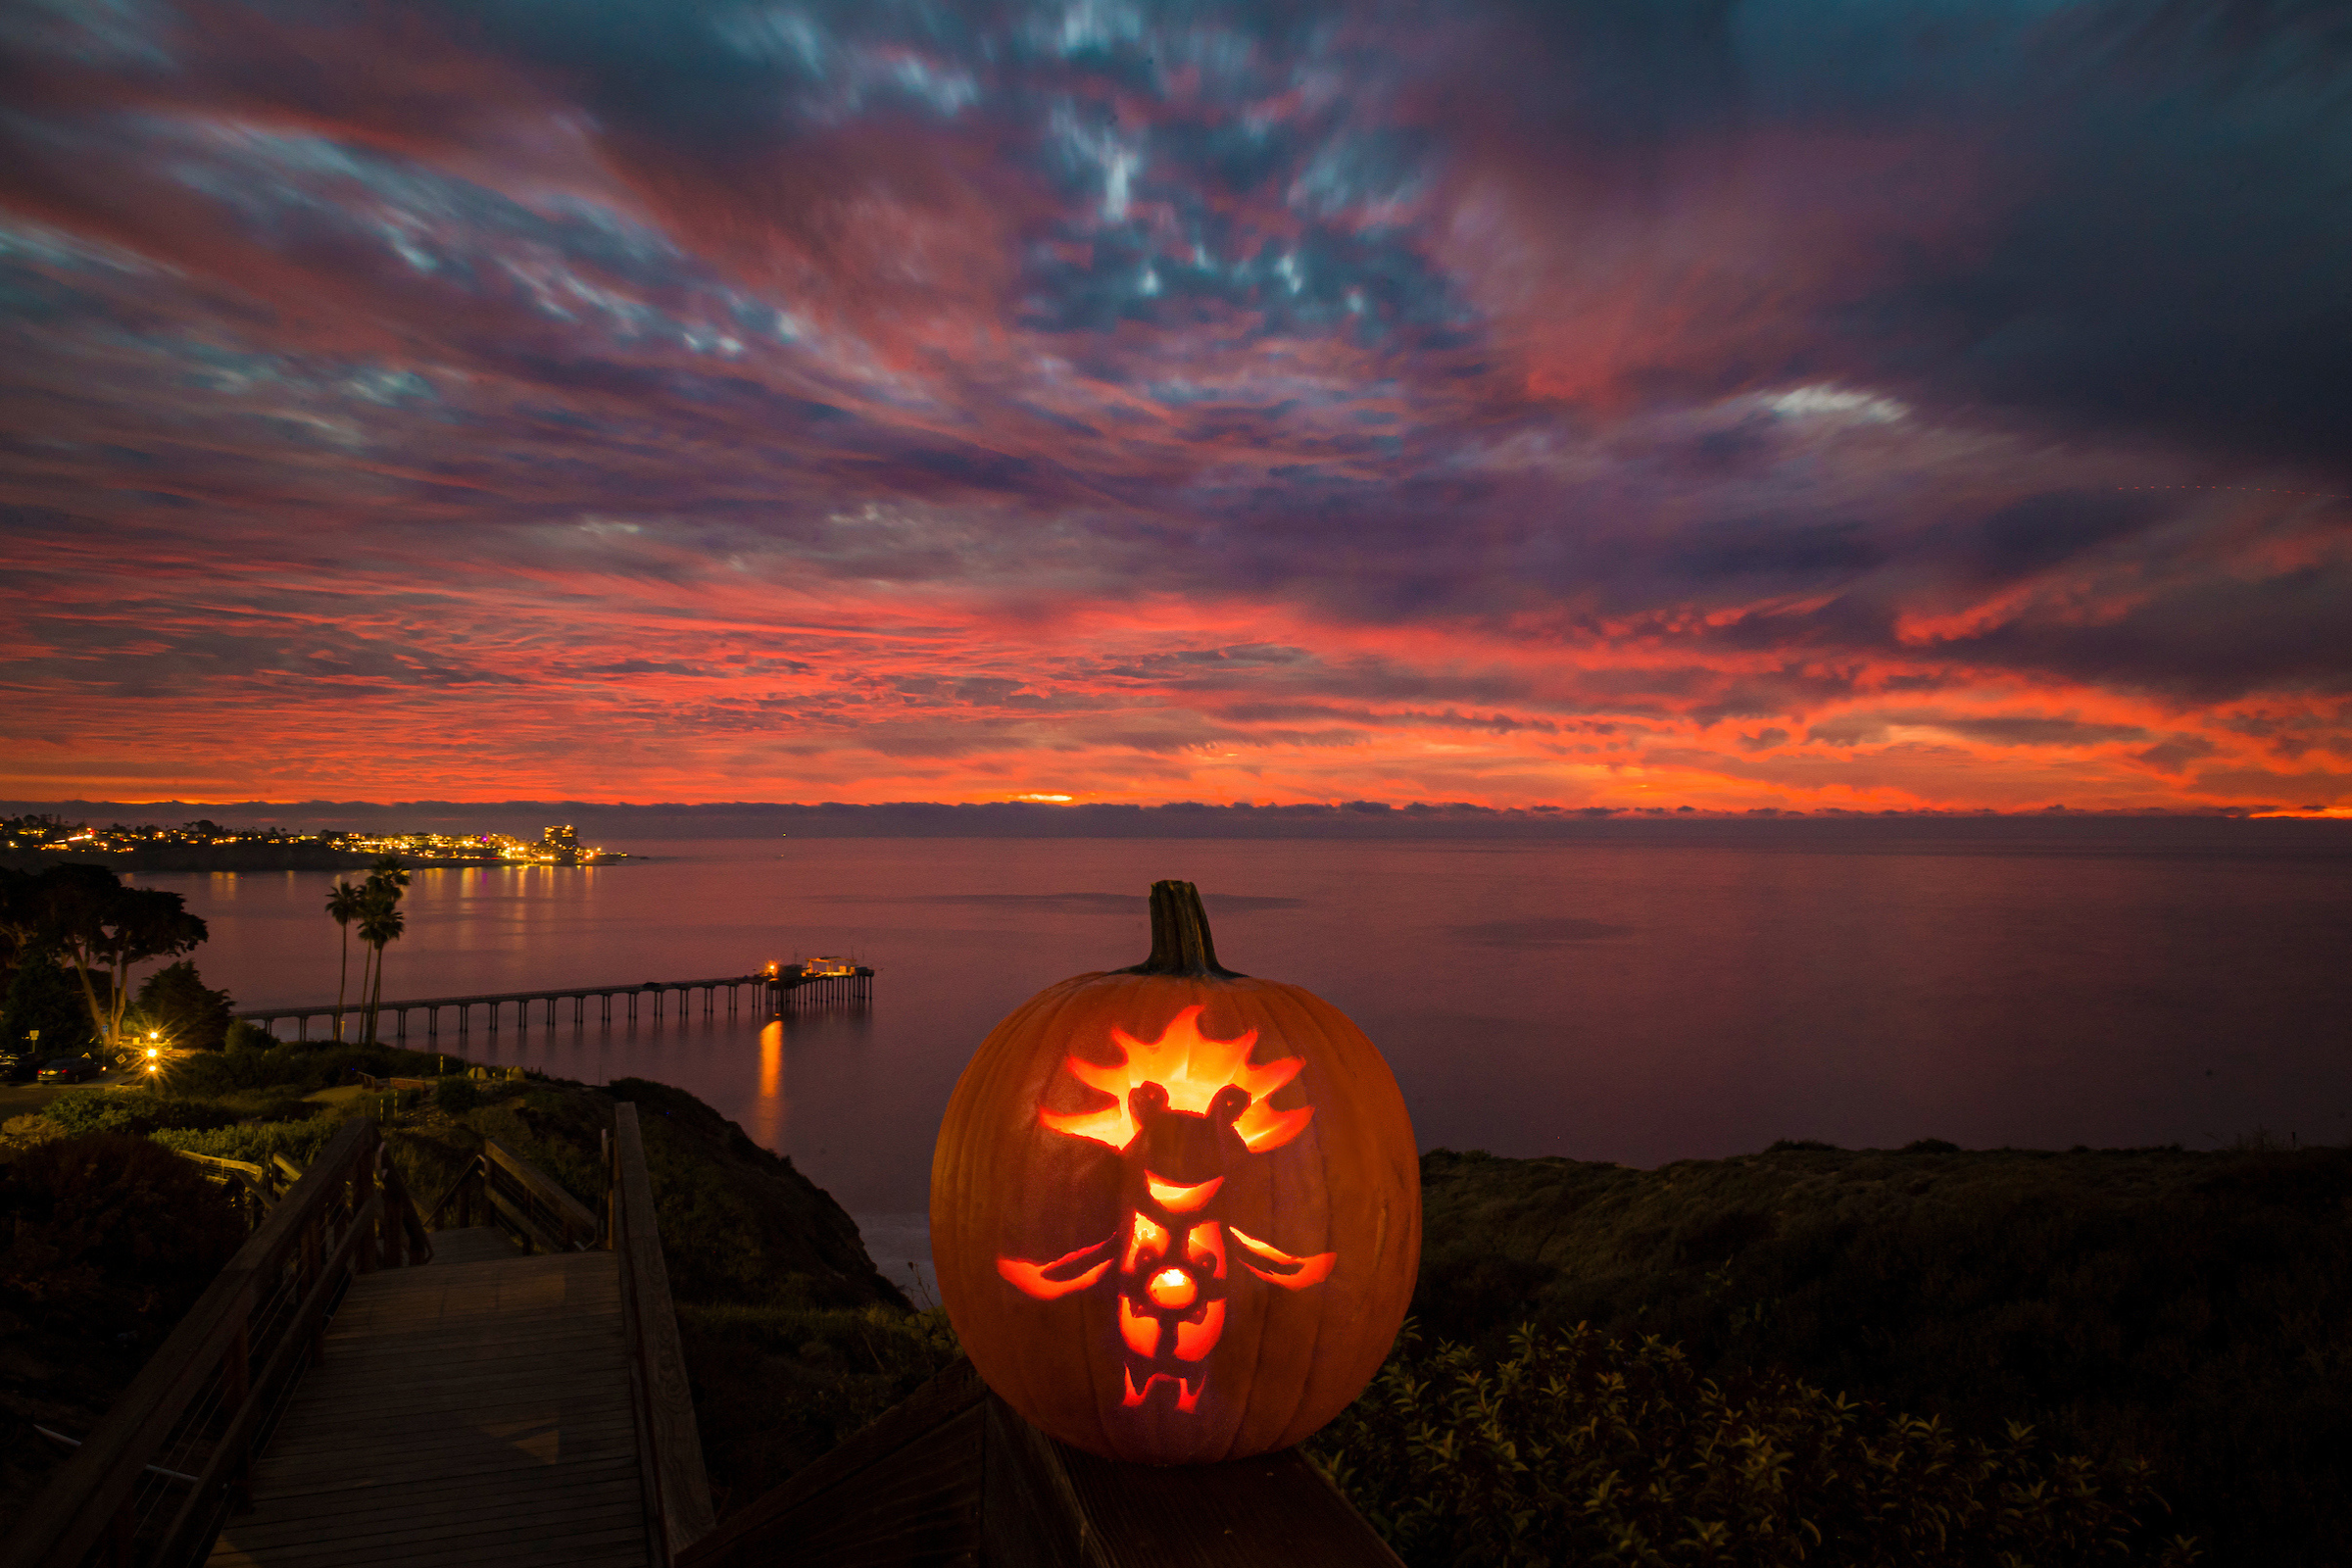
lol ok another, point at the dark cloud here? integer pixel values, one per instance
(2042, 531)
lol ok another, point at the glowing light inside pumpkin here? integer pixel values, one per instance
(1141, 1330)
(1178, 1198)
(1064, 1276)
(1196, 1339)
(1172, 1259)
(1187, 1392)
(1171, 1290)
(1291, 1273)
(1205, 1247)
(1192, 1067)
(1146, 1241)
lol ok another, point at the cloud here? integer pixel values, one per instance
(1525, 403)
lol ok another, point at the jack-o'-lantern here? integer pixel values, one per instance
(1176, 1210)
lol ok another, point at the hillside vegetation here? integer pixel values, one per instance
(2190, 1310)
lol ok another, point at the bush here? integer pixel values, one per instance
(244, 1036)
(84, 1110)
(303, 1065)
(131, 1111)
(291, 1106)
(1574, 1446)
(2193, 1310)
(456, 1095)
(776, 1386)
(110, 1224)
(299, 1141)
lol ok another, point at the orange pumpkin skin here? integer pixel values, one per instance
(1296, 1266)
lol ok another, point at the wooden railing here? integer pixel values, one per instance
(499, 1187)
(678, 1500)
(206, 1400)
(256, 1189)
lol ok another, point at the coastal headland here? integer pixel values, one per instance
(30, 842)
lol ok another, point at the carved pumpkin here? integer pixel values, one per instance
(1176, 1211)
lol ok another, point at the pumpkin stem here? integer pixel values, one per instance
(1180, 938)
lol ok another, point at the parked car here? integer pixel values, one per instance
(18, 1066)
(69, 1070)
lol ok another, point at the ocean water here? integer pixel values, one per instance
(1639, 1001)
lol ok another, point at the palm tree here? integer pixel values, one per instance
(343, 905)
(385, 881)
(380, 923)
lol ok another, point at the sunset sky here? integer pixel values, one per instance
(1742, 403)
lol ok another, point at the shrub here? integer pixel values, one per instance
(299, 1141)
(456, 1095)
(110, 1224)
(1575, 1446)
(776, 1385)
(276, 1105)
(131, 1111)
(303, 1065)
(84, 1110)
(2193, 1310)
(244, 1036)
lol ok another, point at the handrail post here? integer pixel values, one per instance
(680, 1487)
(391, 1228)
(236, 1385)
(612, 1203)
(362, 1188)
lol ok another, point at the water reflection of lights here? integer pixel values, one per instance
(769, 1133)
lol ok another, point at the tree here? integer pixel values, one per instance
(380, 925)
(343, 907)
(191, 1014)
(103, 928)
(17, 918)
(43, 998)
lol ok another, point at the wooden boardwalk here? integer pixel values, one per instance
(473, 1411)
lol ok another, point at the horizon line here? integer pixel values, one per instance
(1366, 810)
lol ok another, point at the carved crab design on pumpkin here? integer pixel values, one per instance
(1234, 1160)
(1179, 1143)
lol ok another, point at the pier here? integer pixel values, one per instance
(776, 988)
